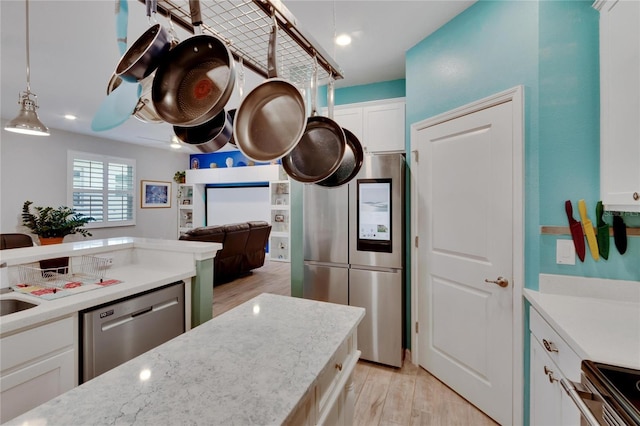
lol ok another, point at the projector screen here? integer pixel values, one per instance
(237, 204)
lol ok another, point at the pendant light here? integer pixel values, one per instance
(27, 121)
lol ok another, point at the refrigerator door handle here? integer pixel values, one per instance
(376, 268)
(329, 264)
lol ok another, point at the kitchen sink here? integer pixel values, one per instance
(9, 306)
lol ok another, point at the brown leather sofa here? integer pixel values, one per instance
(243, 247)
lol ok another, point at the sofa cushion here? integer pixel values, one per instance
(10, 241)
(206, 230)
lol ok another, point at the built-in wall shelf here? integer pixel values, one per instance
(564, 230)
(267, 173)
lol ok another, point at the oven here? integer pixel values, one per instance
(606, 395)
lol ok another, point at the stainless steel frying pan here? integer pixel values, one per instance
(271, 119)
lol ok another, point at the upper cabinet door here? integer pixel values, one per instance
(350, 119)
(620, 104)
(378, 125)
(384, 127)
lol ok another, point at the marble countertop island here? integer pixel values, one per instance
(251, 365)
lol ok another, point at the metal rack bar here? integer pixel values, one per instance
(245, 24)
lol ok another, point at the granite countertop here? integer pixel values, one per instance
(599, 319)
(251, 365)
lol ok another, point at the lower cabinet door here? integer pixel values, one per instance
(545, 388)
(36, 384)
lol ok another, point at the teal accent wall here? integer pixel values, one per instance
(551, 48)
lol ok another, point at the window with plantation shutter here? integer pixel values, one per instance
(102, 187)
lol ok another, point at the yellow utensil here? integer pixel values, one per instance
(588, 230)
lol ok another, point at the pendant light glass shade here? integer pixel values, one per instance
(27, 121)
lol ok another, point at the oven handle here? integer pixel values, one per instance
(571, 390)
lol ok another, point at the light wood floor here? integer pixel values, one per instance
(384, 395)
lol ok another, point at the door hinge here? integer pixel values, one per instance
(415, 153)
(416, 241)
(417, 327)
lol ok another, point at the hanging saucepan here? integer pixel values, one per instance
(207, 137)
(321, 148)
(143, 110)
(271, 119)
(353, 154)
(144, 56)
(195, 80)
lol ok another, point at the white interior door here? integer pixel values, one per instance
(465, 221)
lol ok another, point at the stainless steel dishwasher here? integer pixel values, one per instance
(117, 332)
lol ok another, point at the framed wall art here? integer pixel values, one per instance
(155, 194)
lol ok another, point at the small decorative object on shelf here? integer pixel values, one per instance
(280, 235)
(180, 176)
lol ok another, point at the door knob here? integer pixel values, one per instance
(501, 281)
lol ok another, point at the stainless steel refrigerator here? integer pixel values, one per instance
(354, 252)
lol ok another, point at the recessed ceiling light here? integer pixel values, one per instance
(175, 144)
(70, 117)
(343, 40)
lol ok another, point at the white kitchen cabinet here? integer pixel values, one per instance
(551, 360)
(378, 125)
(190, 207)
(280, 237)
(332, 400)
(36, 365)
(619, 104)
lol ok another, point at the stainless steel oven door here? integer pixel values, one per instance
(595, 408)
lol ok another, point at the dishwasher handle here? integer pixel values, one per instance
(142, 311)
(571, 390)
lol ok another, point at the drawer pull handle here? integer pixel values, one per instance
(339, 366)
(636, 196)
(549, 346)
(549, 372)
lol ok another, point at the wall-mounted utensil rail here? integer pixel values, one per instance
(245, 24)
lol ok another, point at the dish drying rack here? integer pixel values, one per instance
(82, 270)
(245, 24)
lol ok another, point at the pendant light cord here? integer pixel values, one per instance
(28, 64)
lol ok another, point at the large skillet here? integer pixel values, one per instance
(321, 148)
(271, 119)
(195, 80)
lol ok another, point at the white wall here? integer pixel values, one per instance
(35, 168)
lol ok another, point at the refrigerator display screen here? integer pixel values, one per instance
(374, 215)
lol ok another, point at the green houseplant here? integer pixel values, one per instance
(179, 177)
(47, 222)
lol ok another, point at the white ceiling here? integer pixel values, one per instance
(73, 52)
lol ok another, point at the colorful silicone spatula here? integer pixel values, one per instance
(619, 233)
(589, 232)
(603, 232)
(576, 231)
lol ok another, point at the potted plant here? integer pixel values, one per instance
(52, 225)
(180, 176)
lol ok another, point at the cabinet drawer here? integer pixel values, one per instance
(557, 349)
(23, 347)
(332, 373)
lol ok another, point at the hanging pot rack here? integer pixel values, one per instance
(245, 24)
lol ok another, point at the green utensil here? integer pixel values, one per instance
(603, 232)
